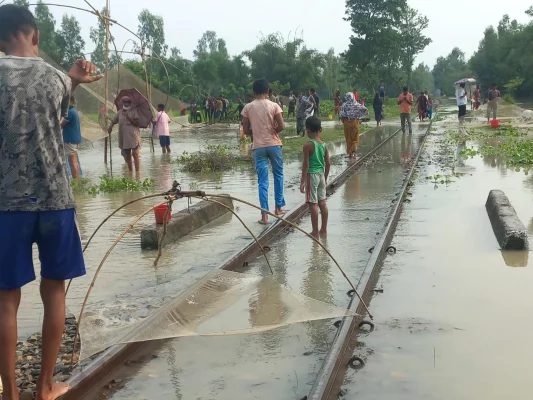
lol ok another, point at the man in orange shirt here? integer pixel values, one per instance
(405, 100)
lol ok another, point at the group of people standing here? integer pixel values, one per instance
(215, 108)
(308, 106)
(492, 98)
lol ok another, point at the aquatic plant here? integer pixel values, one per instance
(517, 153)
(109, 184)
(218, 158)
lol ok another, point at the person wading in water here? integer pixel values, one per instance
(263, 119)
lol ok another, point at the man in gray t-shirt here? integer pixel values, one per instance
(36, 201)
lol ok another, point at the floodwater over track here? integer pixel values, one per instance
(280, 363)
(129, 269)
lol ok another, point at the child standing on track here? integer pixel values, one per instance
(161, 122)
(315, 171)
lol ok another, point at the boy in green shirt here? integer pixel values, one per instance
(315, 171)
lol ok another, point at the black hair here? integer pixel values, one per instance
(72, 99)
(313, 124)
(462, 85)
(313, 90)
(161, 107)
(494, 84)
(261, 86)
(376, 96)
(406, 88)
(15, 19)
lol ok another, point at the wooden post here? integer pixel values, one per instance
(147, 86)
(107, 86)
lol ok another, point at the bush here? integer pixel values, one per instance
(111, 185)
(509, 98)
(211, 159)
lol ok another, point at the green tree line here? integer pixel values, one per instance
(387, 36)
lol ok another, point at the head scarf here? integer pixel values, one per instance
(351, 109)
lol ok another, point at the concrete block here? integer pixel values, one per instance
(184, 222)
(509, 230)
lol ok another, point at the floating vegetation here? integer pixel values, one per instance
(213, 159)
(111, 185)
(517, 153)
(455, 137)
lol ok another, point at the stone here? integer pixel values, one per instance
(184, 222)
(35, 372)
(508, 229)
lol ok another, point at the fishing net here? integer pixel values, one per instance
(91, 98)
(220, 303)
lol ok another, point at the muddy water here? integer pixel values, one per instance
(129, 269)
(283, 363)
(453, 321)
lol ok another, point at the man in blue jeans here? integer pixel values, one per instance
(263, 120)
(36, 201)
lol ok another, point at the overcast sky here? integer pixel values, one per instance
(320, 22)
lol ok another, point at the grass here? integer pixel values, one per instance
(111, 185)
(505, 131)
(516, 152)
(213, 159)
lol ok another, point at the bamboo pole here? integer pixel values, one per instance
(107, 84)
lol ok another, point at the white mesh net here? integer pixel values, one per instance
(220, 303)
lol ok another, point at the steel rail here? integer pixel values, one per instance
(100, 371)
(331, 375)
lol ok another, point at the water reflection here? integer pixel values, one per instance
(317, 284)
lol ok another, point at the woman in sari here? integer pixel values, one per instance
(351, 112)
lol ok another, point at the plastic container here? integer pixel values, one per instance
(159, 212)
(495, 123)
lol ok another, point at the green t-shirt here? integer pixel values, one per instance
(317, 159)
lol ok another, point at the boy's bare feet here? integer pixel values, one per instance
(314, 234)
(263, 220)
(51, 392)
(323, 233)
(280, 211)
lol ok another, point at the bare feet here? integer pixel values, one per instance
(52, 393)
(263, 220)
(314, 234)
(323, 233)
(280, 211)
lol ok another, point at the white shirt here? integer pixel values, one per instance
(461, 101)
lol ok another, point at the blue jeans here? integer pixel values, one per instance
(275, 155)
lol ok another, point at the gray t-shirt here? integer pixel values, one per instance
(34, 97)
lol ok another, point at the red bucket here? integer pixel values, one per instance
(159, 212)
(495, 123)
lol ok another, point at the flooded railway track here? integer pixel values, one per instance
(340, 357)
(124, 360)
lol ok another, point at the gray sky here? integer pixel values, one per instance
(320, 22)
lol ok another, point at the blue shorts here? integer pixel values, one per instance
(164, 141)
(58, 240)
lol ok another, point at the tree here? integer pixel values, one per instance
(450, 69)
(98, 55)
(152, 33)
(413, 41)
(376, 42)
(422, 79)
(70, 44)
(46, 24)
(24, 3)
